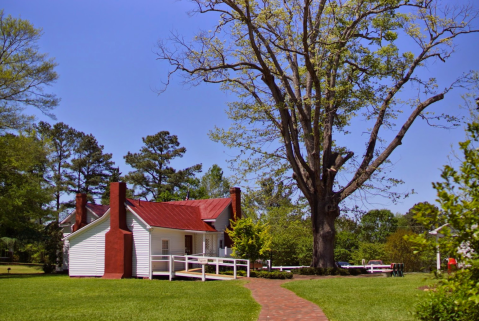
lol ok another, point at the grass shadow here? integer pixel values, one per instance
(26, 275)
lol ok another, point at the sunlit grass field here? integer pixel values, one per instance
(365, 298)
(58, 297)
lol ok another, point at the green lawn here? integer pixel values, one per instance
(365, 298)
(21, 269)
(45, 297)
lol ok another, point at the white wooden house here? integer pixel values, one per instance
(84, 214)
(122, 241)
(93, 212)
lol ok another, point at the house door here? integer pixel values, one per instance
(189, 244)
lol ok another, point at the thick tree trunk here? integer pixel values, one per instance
(323, 216)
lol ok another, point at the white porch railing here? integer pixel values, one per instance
(198, 259)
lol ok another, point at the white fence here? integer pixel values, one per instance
(371, 268)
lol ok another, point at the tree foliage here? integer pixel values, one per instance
(289, 227)
(24, 73)
(53, 247)
(90, 168)
(24, 193)
(303, 71)
(291, 237)
(401, 250)
(60, 141)
(410, 221)
(457, 297)
(347, 239)
(251, 240)
(377, 225)
(214, 184)
(153, 177)
(369, 251)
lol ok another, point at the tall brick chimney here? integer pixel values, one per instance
(80, 212)
(235, 194)
(118, 240)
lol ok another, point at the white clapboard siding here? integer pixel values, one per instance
(198, 241)
(223, 220)
(177, 245)
(221, 223)
(141, 246)
(87, 251)
(90, 217)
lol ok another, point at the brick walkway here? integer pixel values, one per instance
(278, 303)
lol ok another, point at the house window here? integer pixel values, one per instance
(165, 247)
(207, 244)
(221, 244)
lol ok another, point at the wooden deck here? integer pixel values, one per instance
(172, 261)
(196, 273)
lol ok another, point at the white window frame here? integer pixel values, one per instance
(207, 244)
(168, 249)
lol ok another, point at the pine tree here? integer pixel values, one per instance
(60, 139)
(214, 184)
(90, 167)
(153, 177)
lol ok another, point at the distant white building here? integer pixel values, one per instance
(464, 249)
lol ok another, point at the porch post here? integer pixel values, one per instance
(203, 278)
(149, 255)
(217, 266)
(186, 263)
(438, 255)
(234, 267)
(204, 244)
(171, 264)
(151, 267)
(248, 269)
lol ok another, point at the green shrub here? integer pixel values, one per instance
(456, 298)
(344, 272)
(358, 271)
(231, 272)
(328, 271)
(271, 275)
(309, 271)
(48, 268)
(263, 274)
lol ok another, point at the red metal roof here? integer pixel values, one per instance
(98, 209)
(168, 215)
(209, 208)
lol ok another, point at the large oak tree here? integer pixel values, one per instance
(304, 70)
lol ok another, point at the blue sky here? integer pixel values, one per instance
(109, 76)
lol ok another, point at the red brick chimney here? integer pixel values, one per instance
(118, 240)
(235, 194)
(80, 212)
